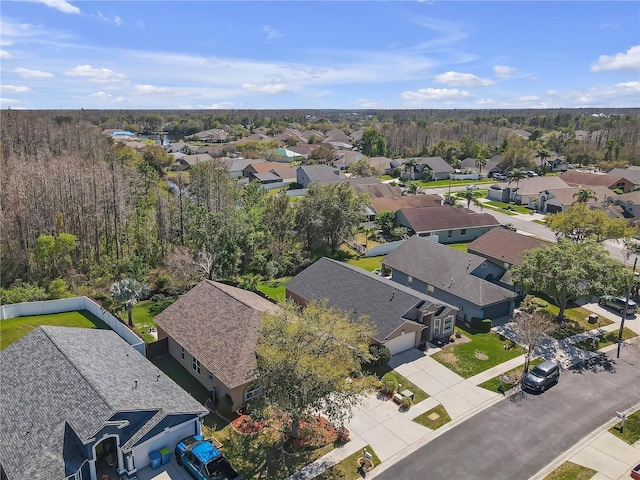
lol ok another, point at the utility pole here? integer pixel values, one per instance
(626, 306)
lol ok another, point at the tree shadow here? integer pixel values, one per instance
(596, 363)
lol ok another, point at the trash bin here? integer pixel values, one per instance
(165, 454)
(156, 459)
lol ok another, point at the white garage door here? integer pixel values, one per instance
(401, 343)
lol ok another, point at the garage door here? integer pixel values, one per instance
(401, 343)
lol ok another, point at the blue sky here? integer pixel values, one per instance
(327, 54)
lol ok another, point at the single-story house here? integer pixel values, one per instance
(440, 169)
(251, 170)
(560, 199)
(383, 164)
(188, 161)
(81, 403)
(212, 331)
(344, 158)
(378, 190)
(558, 164)
(403, 317)
(394, 204)
(337, 136)
(584, 179)
(449, 224)
(631, 174)
(454, 277)
(504, 248)
(237, 165)
(526, 192)
(308, 174)
(215, 135)
(630, 203)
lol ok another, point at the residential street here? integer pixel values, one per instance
(520, 435)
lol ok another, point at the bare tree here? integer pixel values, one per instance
(531, 327)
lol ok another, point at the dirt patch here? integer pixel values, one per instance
(457, 341)
(481, 356)
(447, 357)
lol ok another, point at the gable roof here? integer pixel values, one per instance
(378, 190)
(262, 167)
(504, 245)
(218, 324)
(535, 185)
(447, 269)
(353, 289)
(632, 174)
(409, 201)
(192, 160)
(446, 217)
(437, 164)
(565, 196)
(321, 173)
(574, 178)
(59, 387)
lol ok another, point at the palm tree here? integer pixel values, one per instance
(470, 196)
(413, 188)
(516, 174)
(480, 162)
(450, 199)
(544, 154)
(583, 195)
(127, 292)
(410, 166)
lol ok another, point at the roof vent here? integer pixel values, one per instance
(393, 294)
(135, 384)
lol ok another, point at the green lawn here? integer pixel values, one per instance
(442, 419)
(607, 339)
(275, 288)
(575, 321)
(13, 329)
(571, 471)
(631, 432)
(506, 207)
(485, 350)
(458, 246)
(453, 183)
(367, 263)
(514, 378)
(418, 394)
(172, 368)
(347, 469)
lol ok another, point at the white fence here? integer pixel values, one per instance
(73, 304)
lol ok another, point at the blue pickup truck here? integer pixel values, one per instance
(203, 460)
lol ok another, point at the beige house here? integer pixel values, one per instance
(212, 331)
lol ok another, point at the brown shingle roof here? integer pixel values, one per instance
(413, 201)
(446, 217)
(378, 190)
(263, 167)
(504, 245)
(591, 179)
(218, 324)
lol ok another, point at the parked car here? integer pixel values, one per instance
(203, 460)
(472, 187)
(531, 173)
(542, 376)
(499, 176)
(617, 304)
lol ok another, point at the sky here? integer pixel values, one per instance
(59, 54)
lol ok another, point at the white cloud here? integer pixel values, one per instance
(504, 71)
(271, 32)
(107, 97)
(456, 79)
(96, 75)
(5, 43)
(5, 55)
(268, 88)
(431, 94)
(14, 89)
(153, 90)
(366, 103)
(62, 5)
(33, 74)
(220, 106)
(620, 61)
(108, 18)
(4, 101)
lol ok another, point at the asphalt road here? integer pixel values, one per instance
(520, 435)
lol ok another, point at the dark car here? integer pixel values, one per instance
(542, 376)
(617, 304)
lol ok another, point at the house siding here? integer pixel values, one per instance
(456, 235)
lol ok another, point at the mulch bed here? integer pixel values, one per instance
(315, 433)
(245, 425)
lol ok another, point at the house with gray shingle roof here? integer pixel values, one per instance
(308, 174)
(449, 224)
(404, 318)
(630, 203)
(438, 166)
(78, 403)
(457, 278)
(212, 331)
(631, 173)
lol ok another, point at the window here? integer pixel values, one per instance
(252, 391)
(436, 327)
(449, 233)
(463, 231)
(182, 352)
(409, 280)
(448, 324)
(195, 364)
(429, 288)
(211, 376)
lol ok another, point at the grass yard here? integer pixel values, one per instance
(458, 246)
(439, 417)
(366, 263)
(418, 395)
(506, 207)
(348, 469)
(605, 340)
(275, 288)
(575, 321)
(13, 329)
(631, 432)
(172, 368)
(571, 471)
(483, 351)
(515, 374)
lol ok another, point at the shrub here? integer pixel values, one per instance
(458, 335)
(225, 407)
(381, 355)
(388, 385)
(160, 305)
(405, 403)
(481, 325)
(452, 338)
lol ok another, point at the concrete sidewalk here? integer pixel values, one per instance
(392, 433)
